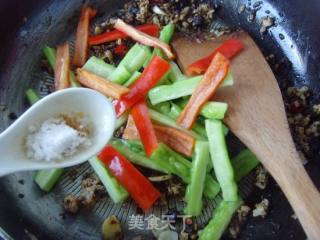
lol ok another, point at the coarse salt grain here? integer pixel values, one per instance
(54, 140)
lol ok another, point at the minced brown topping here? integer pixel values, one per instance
(304, 120)
(261, 209)
(241, 8)
(187, 15)
(266, 23)
(190, 17)
(174, 188)
(262, 177)
(71, 204)
(91, 191)
(316, 109)
(238, 220)
(184, 236)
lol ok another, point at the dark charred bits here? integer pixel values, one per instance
(257, 4)
(173, 214)
(139, 211)
(241, 8)
(281, 36)
(190, 17)
(12, 116)
(304, 120)
(63, 216)
(73, 174)
(92, 191)
(197, 20)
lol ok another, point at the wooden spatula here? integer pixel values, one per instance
(256, 115)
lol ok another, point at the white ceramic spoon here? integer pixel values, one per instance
(95, 106)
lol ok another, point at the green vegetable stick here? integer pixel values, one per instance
(222, 216)
(172, 162)
(116, 192)
(180, 89)
(175, 73)
(164, 108)
(134, 145)
(32, 96)
(214, 110)
(120, 75)
(164, 79)
(200, 130)
(194, 191)
(73, 80)
(46, 179)
(50, 54)
(148, 59)
(132, 79)
(173, 91)
(210, 110)
(165, 36)
(173, 111)
(211, 187)
(135, 58)
(244, 163)
(134, 157)
(163, 160)
(99, 67)
(176, 164)
(167, 32)
(121, 120)
(220, 160)
(197, 127)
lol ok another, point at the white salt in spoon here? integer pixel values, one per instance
(95, 107)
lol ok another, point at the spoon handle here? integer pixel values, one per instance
(11, 152)
(284, 163)
(5, 155)
(5, 171)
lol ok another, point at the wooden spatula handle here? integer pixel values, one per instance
(298, 187)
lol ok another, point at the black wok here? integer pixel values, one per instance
(27, 25)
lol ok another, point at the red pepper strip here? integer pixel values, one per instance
(229, 49)
(100, 84)
(138, 186)
(156, 69)
(62, 67)
(213, 77)
(82, 36)
(121, 50)
(150, 29)
(174, 138)
(143, 38)
(140, 115)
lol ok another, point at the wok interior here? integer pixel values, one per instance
(53, 22)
